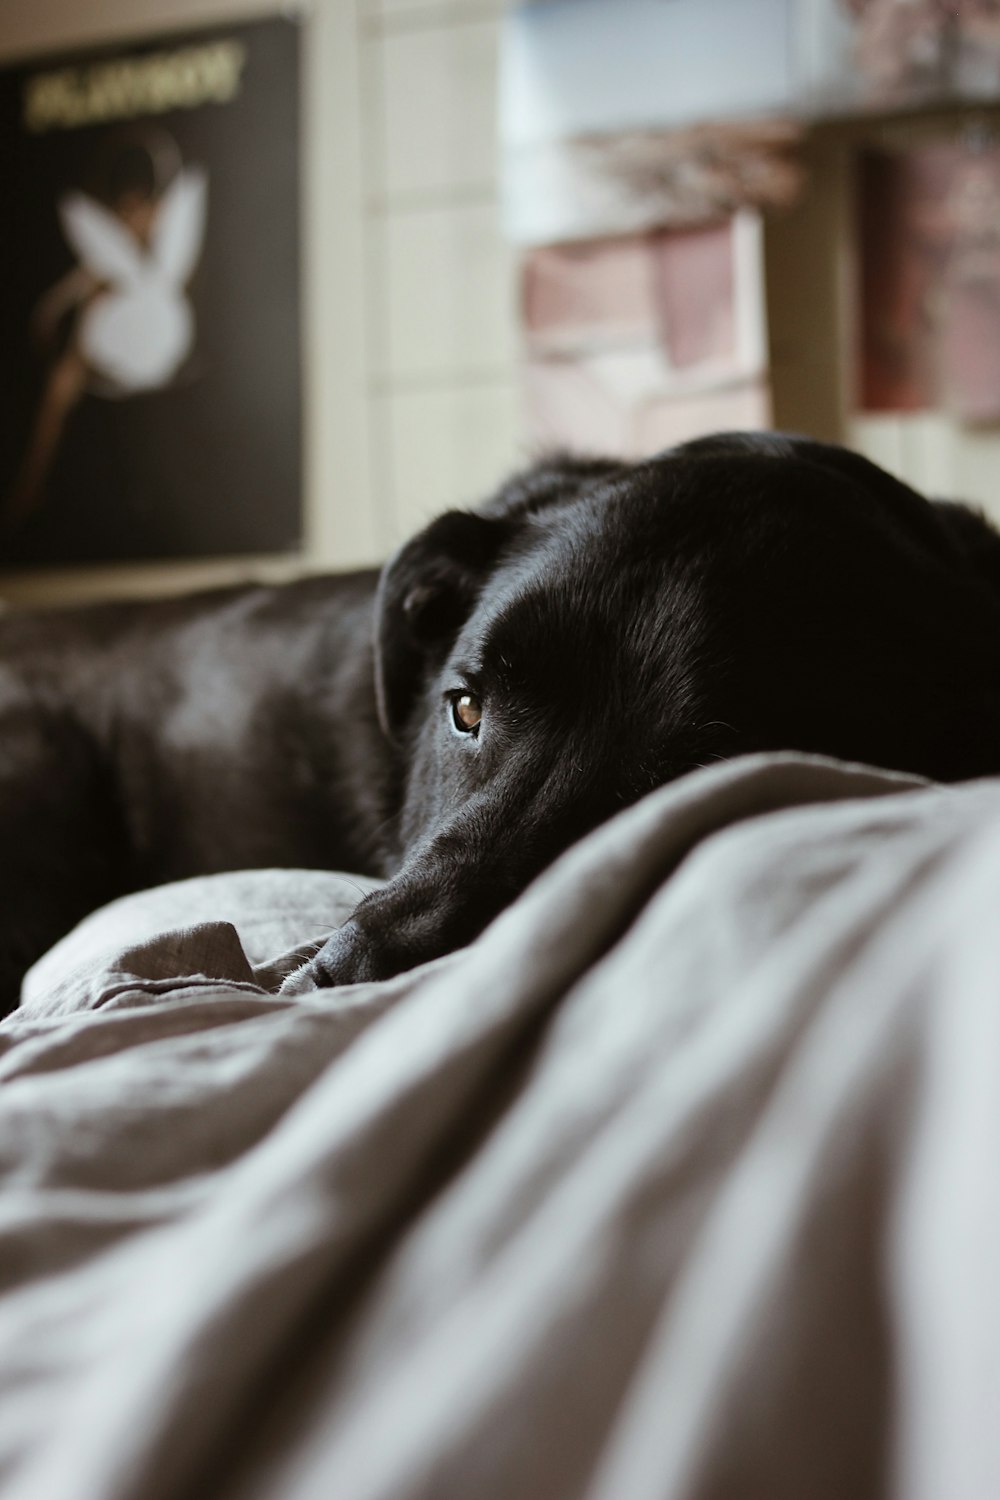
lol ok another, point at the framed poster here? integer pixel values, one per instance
(149, 300)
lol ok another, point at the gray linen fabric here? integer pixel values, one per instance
(680, 1182)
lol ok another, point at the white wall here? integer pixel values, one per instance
(441, 299)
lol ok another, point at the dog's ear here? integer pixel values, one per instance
(425, 595)
(923, 519)
(956, 534)
(428, 589)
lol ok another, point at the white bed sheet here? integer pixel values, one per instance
(680, 1182)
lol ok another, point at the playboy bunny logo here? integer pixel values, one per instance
(136, 332)
(129, 326)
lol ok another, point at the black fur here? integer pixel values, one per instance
(620, 623)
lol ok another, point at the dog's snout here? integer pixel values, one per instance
(347, 957)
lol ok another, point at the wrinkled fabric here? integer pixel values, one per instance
(680, 1182)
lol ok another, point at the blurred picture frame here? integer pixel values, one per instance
(150, 300)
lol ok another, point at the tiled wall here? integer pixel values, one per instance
(440, 294)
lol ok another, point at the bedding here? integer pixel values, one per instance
(679, 1182)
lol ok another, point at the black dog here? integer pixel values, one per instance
(515, 676)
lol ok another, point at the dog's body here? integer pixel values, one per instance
(512, 678)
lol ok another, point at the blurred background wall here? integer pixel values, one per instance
(412, 320)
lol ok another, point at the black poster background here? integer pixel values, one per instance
(211, 463)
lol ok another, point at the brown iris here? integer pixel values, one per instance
(466, 712)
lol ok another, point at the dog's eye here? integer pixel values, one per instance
(466, 712)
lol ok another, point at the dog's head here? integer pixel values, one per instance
(599, 628)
